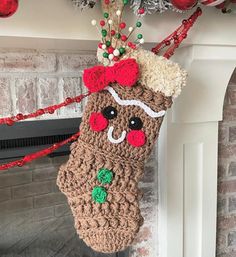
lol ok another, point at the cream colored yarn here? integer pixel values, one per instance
(156, 72)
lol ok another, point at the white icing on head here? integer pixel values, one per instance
(138, 103)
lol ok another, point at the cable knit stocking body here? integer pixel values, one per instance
(106, 163)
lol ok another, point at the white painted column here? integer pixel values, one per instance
(188, 154)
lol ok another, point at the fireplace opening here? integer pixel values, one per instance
(35, 219)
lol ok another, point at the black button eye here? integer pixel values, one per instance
(109, 112)
(135, 123)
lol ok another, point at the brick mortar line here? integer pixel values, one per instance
(39, 74)
(4, 50)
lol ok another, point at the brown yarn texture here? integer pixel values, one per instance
(110, 226)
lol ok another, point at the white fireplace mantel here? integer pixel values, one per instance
(188, 154)
(189, 135)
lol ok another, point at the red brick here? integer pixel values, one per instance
(221, 242)
(232, 239)
(223, 133)
(221, 170)
(233, 78)
(229, 254)
(227, 187)
(232, 134)
(226, 222)
(229, 113)
(27, 62)
(5, 97)
(226, 151)
(26, 97)
(232, 169)
(221, 205)
(232, 95)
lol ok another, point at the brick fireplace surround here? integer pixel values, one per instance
(226, 222)
(33, 211)
(35, 219)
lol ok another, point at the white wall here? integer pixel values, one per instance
(58, 19)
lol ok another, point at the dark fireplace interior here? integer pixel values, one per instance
(35, 220)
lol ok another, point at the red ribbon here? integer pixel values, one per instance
(125, 73)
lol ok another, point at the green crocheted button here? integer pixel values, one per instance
(99, 194)
(105, 176)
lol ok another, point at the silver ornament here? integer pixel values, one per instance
(153, 6)
(84, 4)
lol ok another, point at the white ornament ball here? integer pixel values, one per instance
(110, 22)
(118, 13)
(116, 52)
(104, 46)
(141, 41)
(131, 29)
(94, 22)
(111, 56)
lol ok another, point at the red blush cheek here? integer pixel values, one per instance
(97, 122)
(136, 138)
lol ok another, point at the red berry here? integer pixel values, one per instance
(40, 112)
(130, 44)
(19, 116)
(107, 1)
(123, 38)
(113, 32)
(115, 58)
(110, 50)
(141, 11)
(100, 45)
(10, 122)
(102, 23)
(51, 110)
(167, 42)
(69, 100)
(122, 25)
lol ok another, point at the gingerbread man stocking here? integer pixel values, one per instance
(120, 125)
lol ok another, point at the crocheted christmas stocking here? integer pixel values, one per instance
(119, 127)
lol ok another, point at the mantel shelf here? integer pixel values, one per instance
(58, 19)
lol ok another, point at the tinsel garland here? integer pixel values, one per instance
(84, 4)
(152, 6)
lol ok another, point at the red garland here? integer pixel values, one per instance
(48, 110)
(34, 156)
(51, 109)
(175, 39)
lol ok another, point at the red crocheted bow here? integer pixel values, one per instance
(125, 72)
